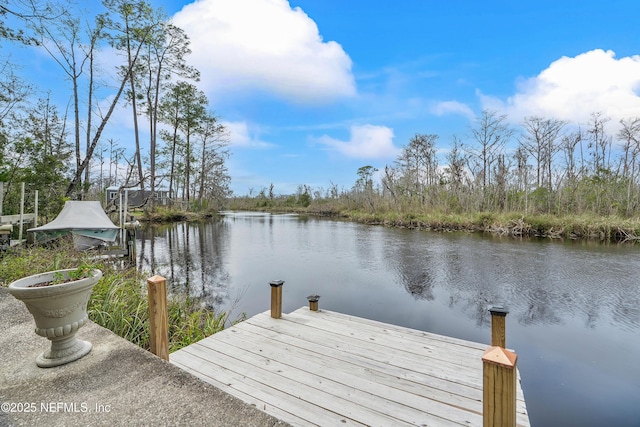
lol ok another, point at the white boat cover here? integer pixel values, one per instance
(82, 215)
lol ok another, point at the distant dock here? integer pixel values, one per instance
(326, 368)
(15, 219)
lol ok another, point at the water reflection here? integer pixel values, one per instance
(191, 257)
(574, 307)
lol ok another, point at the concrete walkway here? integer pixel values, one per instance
(117, 384)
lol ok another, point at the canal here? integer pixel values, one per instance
(574, 307)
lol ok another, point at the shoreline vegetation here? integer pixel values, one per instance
(119, 301)
(604, 229)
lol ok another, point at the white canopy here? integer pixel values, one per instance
(79, 216)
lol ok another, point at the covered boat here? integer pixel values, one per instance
(87, 223)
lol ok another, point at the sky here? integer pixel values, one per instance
(311, 90)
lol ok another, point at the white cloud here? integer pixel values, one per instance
(264, 45)
(573, 88)
(367, 142)
(241, 136)
(452, 107)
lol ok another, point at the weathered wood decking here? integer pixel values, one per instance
(327, 368)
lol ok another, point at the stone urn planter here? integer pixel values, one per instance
(58, 302)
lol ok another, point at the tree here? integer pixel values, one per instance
(599, 142)
(24, 11)
(164, 58)
(213, 179)
(419, 164)
(364, 184)
(629, 134)
(540, 142)
(38, 156)
(389, 185)
(133, 30)
(61, 40)
(13, 91)
(13, 97)
(184, 108)
(455, 173)
(73, 50)
(491, 133)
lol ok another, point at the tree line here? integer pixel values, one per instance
(128, 54)
(543, 166)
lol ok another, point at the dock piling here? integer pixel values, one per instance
(313, 302)
(158, 316)
(498, 326)
(499, 375)
(276, 298)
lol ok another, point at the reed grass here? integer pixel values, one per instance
(119, 301)
(605, 229)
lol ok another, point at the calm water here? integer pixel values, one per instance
(574, 316)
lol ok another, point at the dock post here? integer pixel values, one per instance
(313, 302)
(35, 210)
(158, 316)
(276, 298)
(498, 326)
(21, 214)
(499, 375)
(499, 387)
(131, 246)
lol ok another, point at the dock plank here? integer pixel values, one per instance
(319, 368)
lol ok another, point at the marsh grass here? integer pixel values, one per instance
(119, 301)
(588, 227)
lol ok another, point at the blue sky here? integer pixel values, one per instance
(311, 90)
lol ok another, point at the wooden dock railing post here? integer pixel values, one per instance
(499, 376)
(313, 302)
(158, 316)
(276, 298)
(498, 326)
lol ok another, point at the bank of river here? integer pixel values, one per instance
(574, 306)
(606, 229)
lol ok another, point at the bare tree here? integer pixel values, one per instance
(629, 134)
(213, 179)
(73, 50)
(540, 141)
(419, 164)
(491, 133)
(599, 142)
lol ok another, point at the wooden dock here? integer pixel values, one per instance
(327, 368)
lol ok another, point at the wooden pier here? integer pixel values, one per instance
(326, 368)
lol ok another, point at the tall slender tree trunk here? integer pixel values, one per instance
(131, 62)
